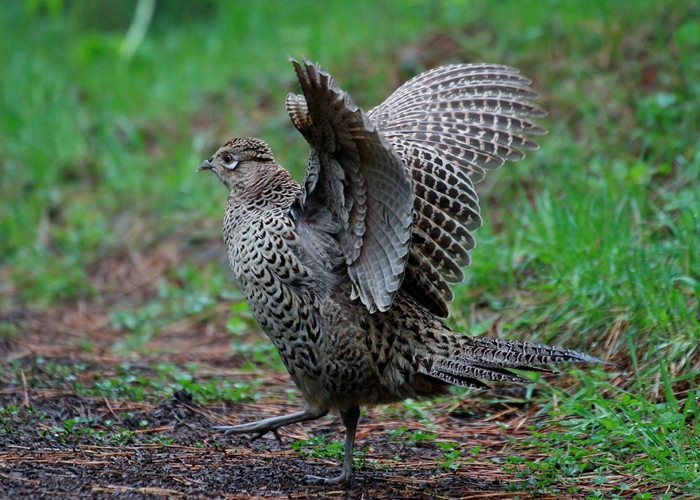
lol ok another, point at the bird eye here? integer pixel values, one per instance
(230, 161)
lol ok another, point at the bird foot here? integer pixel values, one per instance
(257, 432)
(344, 478)
(261, 427)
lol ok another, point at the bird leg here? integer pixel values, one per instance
(262, 427)
(349, 418)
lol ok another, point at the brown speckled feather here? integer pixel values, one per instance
(303, 254)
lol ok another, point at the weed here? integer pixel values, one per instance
(318, 448)
(412, 438)
(451, 452)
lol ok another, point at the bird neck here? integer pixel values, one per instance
(264, 185)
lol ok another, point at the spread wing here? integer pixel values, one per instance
(357, 174)
(450, 125)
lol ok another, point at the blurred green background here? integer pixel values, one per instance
(106, 108)
(100, 132)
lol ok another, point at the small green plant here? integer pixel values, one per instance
(218, 389)
(162, 440)
(11, 410)
(451, 453)
(420, 409)
(417, 437)
(413, 438)
(397, 435)
(121, 437)
(317, 447)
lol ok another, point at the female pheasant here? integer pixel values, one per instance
(349, 273)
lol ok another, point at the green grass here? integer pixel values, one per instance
(127, 382)
(592, 242)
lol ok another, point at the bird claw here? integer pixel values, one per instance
(236, 429)
(228, 429)
(344, 478)
(260, 434)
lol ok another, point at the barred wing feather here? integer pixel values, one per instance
(358, 175)
(450, 125)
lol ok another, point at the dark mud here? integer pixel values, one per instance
(121, 450)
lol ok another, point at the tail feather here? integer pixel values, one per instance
(474, 358)
(460, 369)
(516, 353)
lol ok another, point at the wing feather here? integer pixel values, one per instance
(450, 125)
(355, 172)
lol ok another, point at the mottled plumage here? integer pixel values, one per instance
(349, 272)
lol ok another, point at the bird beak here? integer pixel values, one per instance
(205, 165)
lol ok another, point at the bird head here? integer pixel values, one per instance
(237, 159)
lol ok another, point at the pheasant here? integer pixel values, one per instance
(349, 272)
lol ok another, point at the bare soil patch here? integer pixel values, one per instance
(165, 447)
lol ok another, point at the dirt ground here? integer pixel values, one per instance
(169, 449)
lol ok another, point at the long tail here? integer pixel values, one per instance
(475, 358)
